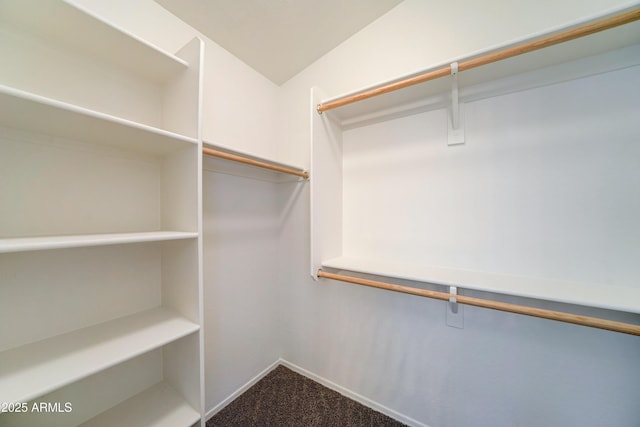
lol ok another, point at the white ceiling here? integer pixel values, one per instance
(278, 38)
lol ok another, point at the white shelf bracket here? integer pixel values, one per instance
(456, 113)
(455, 312)
(453, 302)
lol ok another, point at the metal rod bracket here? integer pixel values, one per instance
(453, 302)
(455, 310)
(455, 117)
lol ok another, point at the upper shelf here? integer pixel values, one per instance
(575, 52)
(80, 30)
(27, 111)
(586, 294)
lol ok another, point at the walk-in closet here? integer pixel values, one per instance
(424, 211)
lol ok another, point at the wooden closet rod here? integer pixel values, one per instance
(541, 43)
(593, 322)
(264, 165)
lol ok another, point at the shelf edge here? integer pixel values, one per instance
(24, 244)
(573, 292)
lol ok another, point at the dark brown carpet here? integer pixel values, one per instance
(286, 398)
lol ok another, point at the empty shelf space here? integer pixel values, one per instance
(586, 294)
(35, 369)
(85, 240)
(159, 405)
(80, 30)
(27, 111)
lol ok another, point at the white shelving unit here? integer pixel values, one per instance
(356, 187)
(100, 221)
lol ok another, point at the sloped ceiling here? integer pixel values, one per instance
(278, 38)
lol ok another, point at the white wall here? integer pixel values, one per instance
(527, 195)
(501, 369)
(240, 270)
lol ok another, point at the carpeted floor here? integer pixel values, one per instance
(286, 398)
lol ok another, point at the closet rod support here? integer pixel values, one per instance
(455, 113)
(453, 301)
(455, 129)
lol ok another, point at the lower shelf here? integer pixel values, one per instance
(157, 406)
(586, 294)
(33, 370)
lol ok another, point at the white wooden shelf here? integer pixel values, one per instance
(85, 240)
(27, 111)
(567, 60)
(35, 369)
(233, 168)
(157, 406)
(100, 133)
(82, 31)
(587, 294)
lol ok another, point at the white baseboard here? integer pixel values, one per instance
(353, 395)
(241, 390)
(325, 382)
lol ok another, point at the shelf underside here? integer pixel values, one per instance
(33, 370)
(548, 289)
